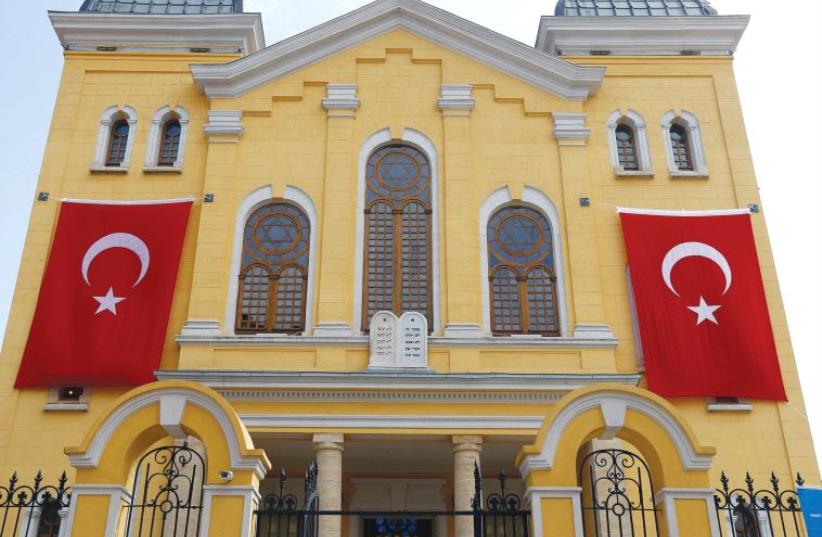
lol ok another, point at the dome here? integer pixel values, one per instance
(634, 8)
(163, 7)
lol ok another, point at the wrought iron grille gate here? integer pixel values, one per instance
(620, 501)
(500, 514)
(167, 496)
(33, 510)
(748, 512)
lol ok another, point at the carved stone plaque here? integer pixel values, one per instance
(384, 340)
(413, 340)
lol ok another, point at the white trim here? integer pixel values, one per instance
(697, 149)
(570, 126)
(598, 400)
(424, 144)
(639, 36)
(637, 124)
(341, 100)
(251, 498)
(111, 115)
(226, 33)
(378, 18)
(155, 139)
(127, 202)
(414, 381)
(365, 421)
(91, 458)
(533, 495)
(456, 99)
(118, 495)
(538, 200)
(741, 405)
(224, 123)
(667, 498)
(253, 201)
(683, 213)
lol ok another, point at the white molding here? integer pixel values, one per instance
(683, 213)
(224, 123)
(341, 100)
(253, 201)
(570, 126)
(638, 125)
(378, 18)
(545, 459)
(383, 396)
(155, 139)
(421, 385)
(236, 33)
(111, 115)
(365, 421)
(667, 498)
(589, 331)
(538, 200)
(202, 327)
(464, 331)
(118, 495)
(251, 498)
(697, 149)
(712, 405)
(91, 458)
(533, 495)
(456, 99)
(371, 144)
(637, 36)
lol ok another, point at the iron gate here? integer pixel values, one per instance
(620, 501)
(280, 514)
(33, 510)
(748, 512)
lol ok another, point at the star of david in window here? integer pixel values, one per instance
(276, 234)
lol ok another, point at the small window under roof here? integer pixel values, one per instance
(163, 7)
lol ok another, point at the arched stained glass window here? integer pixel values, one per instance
(681, 148)
(274, 274)
(117, 143)
(398, 233)
(626, 148)
(521, 272)
(170, 143)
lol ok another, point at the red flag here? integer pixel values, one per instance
(700, 303)
(104, 303)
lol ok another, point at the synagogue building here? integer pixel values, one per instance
(400, 275)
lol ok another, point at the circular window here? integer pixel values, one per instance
(276, 232)
(398, 171)
(519, 235)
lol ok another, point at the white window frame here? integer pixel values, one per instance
(537, 200)
(110, 116)
(256, 199)
(691, 124)
(643, 151)
(155, 139)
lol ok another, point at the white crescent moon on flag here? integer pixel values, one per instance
(118, 240)
(694, 249)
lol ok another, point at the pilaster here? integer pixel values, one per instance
(335, 301)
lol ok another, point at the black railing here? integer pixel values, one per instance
(33, 510)
(280, 514)
(502, 514)
(752, 512)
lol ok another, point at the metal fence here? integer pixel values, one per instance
(35, 510)
(752, 512)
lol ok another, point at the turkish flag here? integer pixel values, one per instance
(104, 303)
(700, 303)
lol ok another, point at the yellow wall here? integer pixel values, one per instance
(508, 141)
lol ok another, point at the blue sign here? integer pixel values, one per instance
(811, 501)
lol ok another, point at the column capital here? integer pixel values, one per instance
(325, 441)
(341, 100)
(456, 99)
(570, 127)
(466, 443)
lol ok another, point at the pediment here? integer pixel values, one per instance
(507, 55)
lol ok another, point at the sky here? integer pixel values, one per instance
(778, 73)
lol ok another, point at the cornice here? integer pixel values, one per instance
(238, 33)
(393, 421)
(477, 42)
(641, 36)
(485, 342)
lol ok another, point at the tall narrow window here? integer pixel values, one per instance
(118, 143)
(274, 273)
(626, 148)
(398, 233)
(521, 273)
(680, 147)
(170, 143)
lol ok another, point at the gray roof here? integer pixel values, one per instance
(163, 7)
(634, 8)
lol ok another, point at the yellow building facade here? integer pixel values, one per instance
(498, 125)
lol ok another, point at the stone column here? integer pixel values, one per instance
(467, 451)
(336, 241)
(328, 449)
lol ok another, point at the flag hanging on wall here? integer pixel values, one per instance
(700, 304)
(105, 299)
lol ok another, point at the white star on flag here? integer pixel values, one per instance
(108, 302)
(704, 312)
